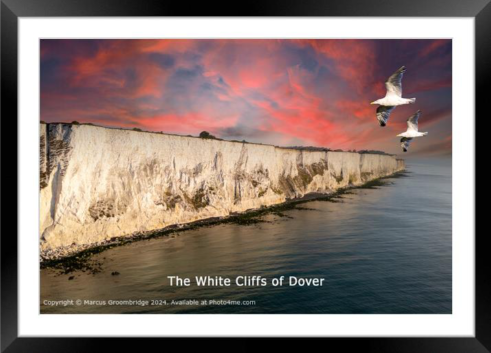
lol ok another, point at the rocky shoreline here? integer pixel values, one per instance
(77, 257)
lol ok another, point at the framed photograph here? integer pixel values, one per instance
(302, 171)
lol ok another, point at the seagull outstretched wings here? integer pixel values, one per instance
(394, 82)
(383, 113)
(405, 141)
(412, 122)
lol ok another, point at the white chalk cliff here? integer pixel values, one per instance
(98, 183)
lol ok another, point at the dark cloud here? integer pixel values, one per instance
(283, 92)
(165, 61)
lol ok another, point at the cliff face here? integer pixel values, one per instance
(98, 183)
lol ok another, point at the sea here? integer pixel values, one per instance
(383, 250)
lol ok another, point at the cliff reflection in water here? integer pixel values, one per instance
(386, 250)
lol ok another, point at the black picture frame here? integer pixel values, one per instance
(11, 10)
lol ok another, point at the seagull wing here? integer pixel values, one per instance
(394, 82)
(412, 122)
(405, 141)
(383, 113)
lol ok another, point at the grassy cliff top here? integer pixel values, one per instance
(297, 148)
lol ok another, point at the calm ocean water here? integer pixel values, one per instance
(386, 250)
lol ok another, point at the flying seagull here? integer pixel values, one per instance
(392, 98)
(412, 131)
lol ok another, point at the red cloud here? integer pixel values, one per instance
(360, 109)
(433, 45)
(186, 123)
(354, 59)
(313, 92)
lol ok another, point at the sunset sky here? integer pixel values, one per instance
(282, 92)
